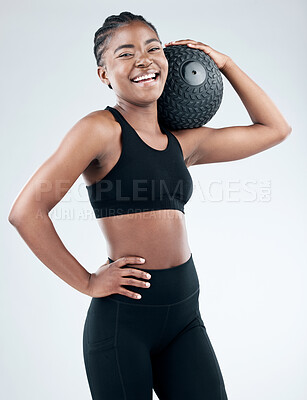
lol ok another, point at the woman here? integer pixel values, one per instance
(138, 182)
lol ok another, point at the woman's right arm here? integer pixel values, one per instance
(48, 185)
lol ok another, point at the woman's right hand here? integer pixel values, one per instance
(109, 278)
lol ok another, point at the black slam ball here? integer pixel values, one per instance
(193, 89)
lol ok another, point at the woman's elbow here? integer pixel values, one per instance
(15, 217)
(286, 132)
(282, 133)
(18, 212)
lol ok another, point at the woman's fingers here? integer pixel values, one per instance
(184, 41)
(219, 58)
(129, 260)
(135, 282)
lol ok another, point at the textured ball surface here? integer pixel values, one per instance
(193, 89)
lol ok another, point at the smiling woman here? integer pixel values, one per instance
(113, 58)
(104, 35)
(138, 191)
(138, 182)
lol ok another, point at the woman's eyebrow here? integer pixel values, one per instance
(132, 45)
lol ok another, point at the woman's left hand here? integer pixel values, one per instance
(220, 59)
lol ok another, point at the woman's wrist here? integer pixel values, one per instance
(87, 286)
(228, 64)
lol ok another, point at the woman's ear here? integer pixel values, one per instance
(102, 73)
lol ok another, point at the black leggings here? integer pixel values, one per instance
(159, 342)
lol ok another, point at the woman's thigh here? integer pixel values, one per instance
(188, 368)
(118, 365)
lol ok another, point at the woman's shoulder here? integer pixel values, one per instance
(102, 124)
(105, 130)
(99, 118)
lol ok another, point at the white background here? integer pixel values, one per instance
(249, 248)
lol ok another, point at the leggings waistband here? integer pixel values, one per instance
(168, 286)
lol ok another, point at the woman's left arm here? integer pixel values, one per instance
(208, 145)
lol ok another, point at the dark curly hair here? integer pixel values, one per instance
(104, 34)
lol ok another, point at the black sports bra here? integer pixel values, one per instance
(144, 178)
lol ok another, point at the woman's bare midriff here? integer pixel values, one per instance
(159, 236)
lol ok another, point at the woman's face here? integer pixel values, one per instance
(144, 53)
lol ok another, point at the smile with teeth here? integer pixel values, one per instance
(145, 78)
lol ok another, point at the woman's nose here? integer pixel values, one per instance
(144, 59)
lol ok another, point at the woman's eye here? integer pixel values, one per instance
(153, 48)
(124, 54)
